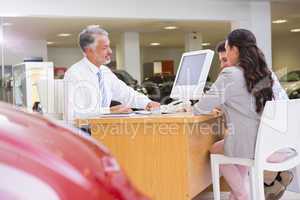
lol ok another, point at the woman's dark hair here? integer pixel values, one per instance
(258, 76)
(220, 47)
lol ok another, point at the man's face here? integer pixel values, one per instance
(223, 60)
(102, 52)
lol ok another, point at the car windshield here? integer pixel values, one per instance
(291, 77)
(124, 76)
(159, 78)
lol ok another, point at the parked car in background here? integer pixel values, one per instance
(129, 80)
(291, 83)
(159, 87)
(41, 160)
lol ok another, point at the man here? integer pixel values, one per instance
(90, 85)
(220, 49)
(275, 183)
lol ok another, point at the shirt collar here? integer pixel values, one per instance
(92, 67)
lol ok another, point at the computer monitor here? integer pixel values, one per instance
(25, 78)
(191, 75)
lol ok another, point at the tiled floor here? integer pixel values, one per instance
(224, 196)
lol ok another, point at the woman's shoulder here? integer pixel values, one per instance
(232, 72)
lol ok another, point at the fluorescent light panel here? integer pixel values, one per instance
(296, 30)
(170, 27)
(94, 26)
(279, 21)
(155, 44)
(205, 44)
(64, 35)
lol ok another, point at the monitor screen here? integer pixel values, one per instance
(190, 70)
(192, 74)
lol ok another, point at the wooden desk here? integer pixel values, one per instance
(165, 156)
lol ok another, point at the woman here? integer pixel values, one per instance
(241, 91)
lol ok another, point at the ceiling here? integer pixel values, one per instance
(289, 10)
(150, 30)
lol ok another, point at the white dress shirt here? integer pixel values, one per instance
(82, 91)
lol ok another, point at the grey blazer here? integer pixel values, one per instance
(229, 92)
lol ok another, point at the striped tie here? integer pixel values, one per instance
(103, 92)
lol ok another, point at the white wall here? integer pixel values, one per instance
(65, 57)
(130, 59)
(286, 52)
(16, 50)
(150, 54)
(167, 9)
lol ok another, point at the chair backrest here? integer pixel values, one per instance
(279, 129)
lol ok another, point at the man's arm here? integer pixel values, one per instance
(129, 97)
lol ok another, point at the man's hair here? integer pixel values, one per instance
(220, 47)
(87, 37)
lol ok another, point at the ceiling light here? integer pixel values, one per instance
(295, 30)
(205, 44)
(49, 43)
(279, 21)
(155, 44)
(64, 35)
(6, 24)
(170, 27)
(93, 26)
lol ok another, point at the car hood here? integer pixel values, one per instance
(70, 155)
(290, 86)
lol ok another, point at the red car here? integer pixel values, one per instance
(40, 160)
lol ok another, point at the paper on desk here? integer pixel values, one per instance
(116, 115)
(102, 115)
(142, 112)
